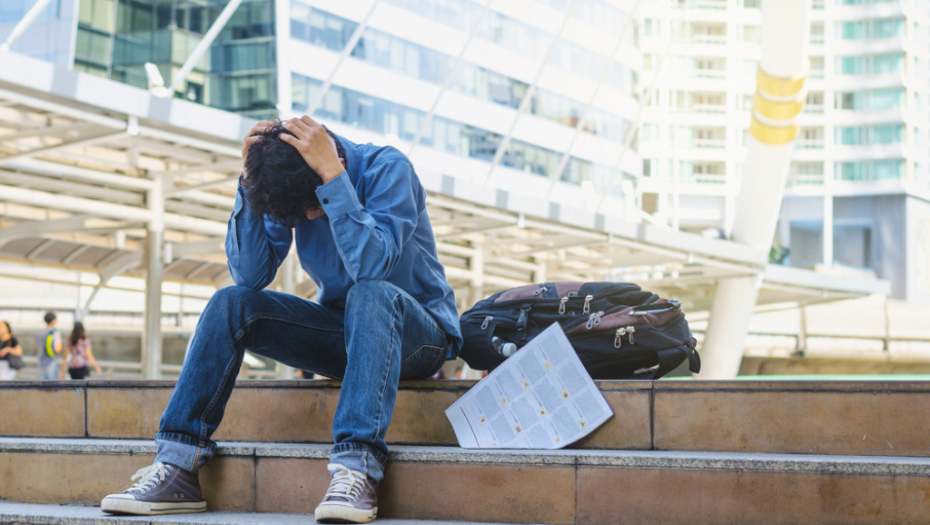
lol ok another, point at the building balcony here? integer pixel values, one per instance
(805, 180)
(813, 108)
(809, 144)
(710, 143)
(709, 39)
(710, 73)
(710, 108)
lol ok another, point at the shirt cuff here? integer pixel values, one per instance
(338, 196)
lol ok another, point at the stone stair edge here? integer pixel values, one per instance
(666, 385)
(646, 459)
(49, 514)
(276, 384)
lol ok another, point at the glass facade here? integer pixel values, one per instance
(870, 100)
(12, 11)
(860, 135)
(116, 38)
(870, 29)
(389, 118)
(870, 64)
(870, 170)
(413, 60)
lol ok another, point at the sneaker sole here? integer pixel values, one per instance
(341, 514)
(147, 508)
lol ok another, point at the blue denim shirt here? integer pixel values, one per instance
(375, 228)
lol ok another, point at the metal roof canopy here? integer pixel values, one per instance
(81, 153)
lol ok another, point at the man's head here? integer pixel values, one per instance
(50, 319)
(278, 183)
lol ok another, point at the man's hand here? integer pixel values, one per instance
(253, 137)
(315, 146)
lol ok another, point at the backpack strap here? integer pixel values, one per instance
(670, 358)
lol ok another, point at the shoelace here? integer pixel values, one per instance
(148, 477)
(346, 483)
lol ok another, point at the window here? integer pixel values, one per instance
(871, 100)
(871, 29)
(870, 170)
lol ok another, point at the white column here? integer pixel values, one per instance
(154, 274)
(782, 68)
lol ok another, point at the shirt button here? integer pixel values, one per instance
(325, 201)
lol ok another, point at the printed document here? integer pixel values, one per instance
(541, 398)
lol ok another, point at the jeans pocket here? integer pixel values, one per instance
(423, 363)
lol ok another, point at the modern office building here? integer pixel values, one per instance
(453, 73)
(858, 184)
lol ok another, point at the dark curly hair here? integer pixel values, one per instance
(279, 185)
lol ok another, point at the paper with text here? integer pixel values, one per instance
(541, 397)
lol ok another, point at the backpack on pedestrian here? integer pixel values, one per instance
(618, 330)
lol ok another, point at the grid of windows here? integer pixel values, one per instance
(383, 50)
(861, 135)
(874, 99)
(870, 29)
(12, 11)
(389, 118)
(870, 170)
(870, 64)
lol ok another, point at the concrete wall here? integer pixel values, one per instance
(918, 254)
(889, 241)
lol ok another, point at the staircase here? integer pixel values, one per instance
(675, 452)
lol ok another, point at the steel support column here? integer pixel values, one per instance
(154, 275)
(779, 99)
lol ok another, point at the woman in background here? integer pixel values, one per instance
(79, 350)
(9, 346)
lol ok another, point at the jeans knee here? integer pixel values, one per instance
(229, 299)
(367, 293)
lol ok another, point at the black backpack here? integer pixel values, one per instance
(618, 330)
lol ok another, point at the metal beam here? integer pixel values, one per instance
(24, 24)
(201, 186)
(567, 154)
(204, 44)
(528, 96)
(449, 78)
(26, 229)
(40, 248)
(65, 145)
(204, 247)
(346, 51)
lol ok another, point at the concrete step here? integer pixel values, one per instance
(551, 487)
(36, 514)
(779, 417)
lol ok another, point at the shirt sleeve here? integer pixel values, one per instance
(255, 247)
(370, 238)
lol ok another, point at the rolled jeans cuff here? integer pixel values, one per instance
(183, 451)
(360, 457)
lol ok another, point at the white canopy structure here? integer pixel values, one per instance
(100, 177)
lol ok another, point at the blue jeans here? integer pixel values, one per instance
(48, 371)
(383, 335)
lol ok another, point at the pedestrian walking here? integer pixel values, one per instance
(11, 353)
(78, 355)
(48, 349)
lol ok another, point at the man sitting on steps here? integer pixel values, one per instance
(385, 311)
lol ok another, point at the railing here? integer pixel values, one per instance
(710, 73)
(709, 39)
(710, 108)
(710, 143)
(131, 370)
(709, 4)
(813, 108)
(805, 180)
(810, 143)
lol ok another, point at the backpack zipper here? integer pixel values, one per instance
(562, 305)
(487, 320)
(594, 320)
(622, 331)
(587, 304)
(541, 290)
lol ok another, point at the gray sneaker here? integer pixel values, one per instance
(351, 498)
(161, 489)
